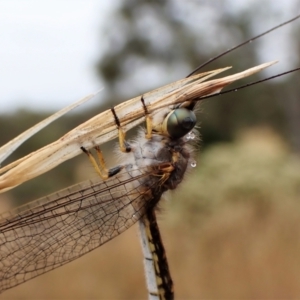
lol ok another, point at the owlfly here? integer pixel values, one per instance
(50, 232)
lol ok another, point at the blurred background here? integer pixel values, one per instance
(232, 229)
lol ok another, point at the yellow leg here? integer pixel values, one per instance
(100, 168)
(166, 167)
(163, 171)
(104, 174)
(101, 159)
(123, 146)
(149, 126)
(122, 142)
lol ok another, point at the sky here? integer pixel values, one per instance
(48, 51)
(49, 48)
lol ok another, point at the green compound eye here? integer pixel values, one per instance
(179, 122)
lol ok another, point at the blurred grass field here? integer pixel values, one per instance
(231, 231)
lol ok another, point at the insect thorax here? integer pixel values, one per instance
(163, 161)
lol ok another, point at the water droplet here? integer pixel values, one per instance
(193, 164)
(235, 90)
(190, 136)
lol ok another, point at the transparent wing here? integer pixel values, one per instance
(57, 229)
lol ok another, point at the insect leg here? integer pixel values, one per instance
(148, 118)
(124, 146)
(100, 168)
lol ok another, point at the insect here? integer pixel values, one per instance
(93, 213)
(55, 230)
(158, 160)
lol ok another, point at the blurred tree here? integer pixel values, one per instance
(292, 100)
(151, 43)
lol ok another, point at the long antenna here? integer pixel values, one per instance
(247, 85)
(240, 45)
